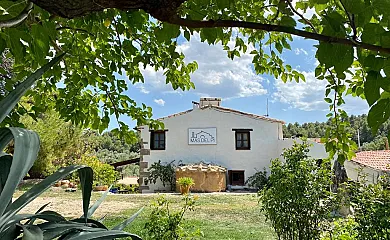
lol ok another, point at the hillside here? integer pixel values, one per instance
(368, 141)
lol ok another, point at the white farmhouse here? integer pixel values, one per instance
(241, 142)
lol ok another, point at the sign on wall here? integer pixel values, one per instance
(199, 136)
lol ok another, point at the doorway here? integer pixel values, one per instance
(236, 177)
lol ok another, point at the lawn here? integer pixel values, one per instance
(218, 216)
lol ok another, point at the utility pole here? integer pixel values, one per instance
(358, 138)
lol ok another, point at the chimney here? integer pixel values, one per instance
(204, 102)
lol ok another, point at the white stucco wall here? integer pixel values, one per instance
(317, 151)
(266, 142)
(353, 169)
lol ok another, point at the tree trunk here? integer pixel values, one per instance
(340, 176)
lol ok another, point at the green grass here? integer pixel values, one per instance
(227, 216)
(218, 216)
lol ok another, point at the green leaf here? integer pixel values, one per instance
(354, 6)
(31, 232)
(386, 67)
(41, 41)
(8, 103)
(382, 6)
(385, 85)
(5, 165)
(31, 221)
(187, 35)
(287, 21)
(95, 206)
(167, 32)
(334, 24)
(17, 48)
(26, 151)
(3, 45)
(373, 63)
(372, 33)
(104, 234)
(36, 190)
(378, 114)
(372, 87)
(385, 40)
(337, 55)
(86, 181)
(53, 230)
(125, 223)
(212, 35)
(328, 100)
(222, 4)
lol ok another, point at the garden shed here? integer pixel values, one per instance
(207, 177)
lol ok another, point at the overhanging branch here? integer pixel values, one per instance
(273, 28)
(18, 19)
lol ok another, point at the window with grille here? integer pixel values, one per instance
(243, 141)
(157, 140)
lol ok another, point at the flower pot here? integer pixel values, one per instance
(99, 188)
(185, 189)
(105, 187)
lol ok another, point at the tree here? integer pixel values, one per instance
(104, 37)
(60, 143)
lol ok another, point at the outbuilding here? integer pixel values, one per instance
(372, 164)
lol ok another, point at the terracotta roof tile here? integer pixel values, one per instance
(374, 159)
(227, 110)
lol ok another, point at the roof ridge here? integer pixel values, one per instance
(226, 109)
(247, 114)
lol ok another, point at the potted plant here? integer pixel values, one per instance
(185, 184)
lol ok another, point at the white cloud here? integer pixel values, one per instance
(216, 76)
(306, 96)
(309, 96)
(299, 51)
(160, 102)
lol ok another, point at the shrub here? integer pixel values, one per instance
(104, 174)
(298, 198)
(186, 181)
(164, 172)
(166, 224)
(132, 188)
(341, 229)
(371, 203)
(259, 180)
(185, 184)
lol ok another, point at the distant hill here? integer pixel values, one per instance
(317, 130)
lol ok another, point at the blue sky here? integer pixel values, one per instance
(240, 87)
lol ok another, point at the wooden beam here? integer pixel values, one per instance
(126, 162)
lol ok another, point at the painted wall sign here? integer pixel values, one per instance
(202, 136)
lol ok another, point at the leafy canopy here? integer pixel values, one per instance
(105, 39)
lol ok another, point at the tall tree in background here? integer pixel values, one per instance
(63, 144)
(104, 37)
(358, 127)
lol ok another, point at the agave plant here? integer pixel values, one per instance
(13, 168)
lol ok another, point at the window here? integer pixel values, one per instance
(157, 140)
(236, 177)
(243, 140)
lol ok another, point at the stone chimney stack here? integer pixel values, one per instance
(204, 102)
